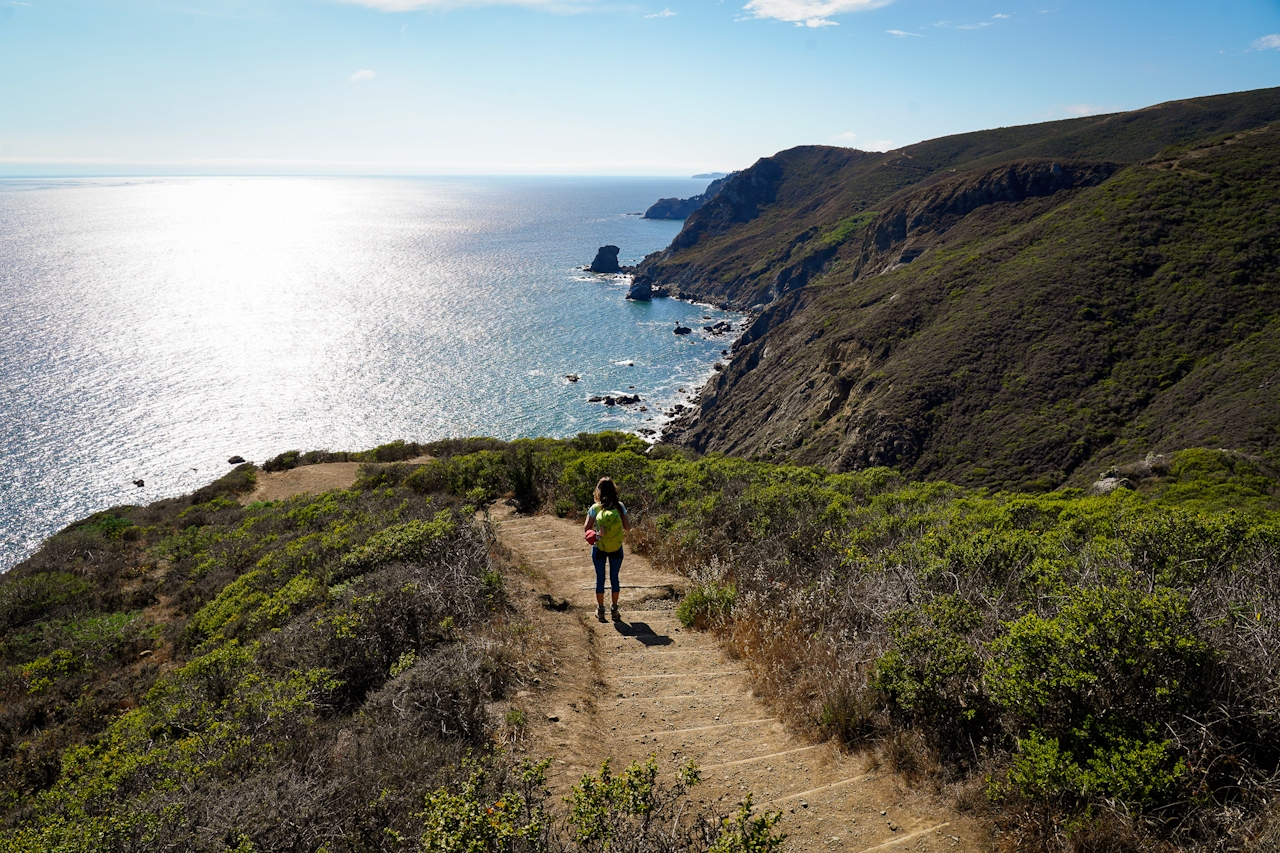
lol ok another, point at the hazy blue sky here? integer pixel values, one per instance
(667, 87)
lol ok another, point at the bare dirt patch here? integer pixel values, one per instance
(304, 480)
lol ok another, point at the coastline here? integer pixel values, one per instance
(684, 402)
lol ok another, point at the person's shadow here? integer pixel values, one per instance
(641, 632)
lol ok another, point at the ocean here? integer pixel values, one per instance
(153, 328)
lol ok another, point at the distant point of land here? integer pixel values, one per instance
(711, 176)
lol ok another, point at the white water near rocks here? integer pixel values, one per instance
(153, 328)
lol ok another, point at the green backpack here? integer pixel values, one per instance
(609, 527)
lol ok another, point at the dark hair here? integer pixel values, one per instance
(606, 493)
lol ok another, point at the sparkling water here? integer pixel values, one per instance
(154, 328)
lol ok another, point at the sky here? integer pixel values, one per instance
(580, 87)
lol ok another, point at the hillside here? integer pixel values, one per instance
(370, 669)
(1021, 321)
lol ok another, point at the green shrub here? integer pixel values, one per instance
(748, 832)
(23, 599)
(484, 817)
(933, 669)
(706, 604)
(111, 526)
(242, 479)
(1093, 688)
(485, 470)
(412, 540)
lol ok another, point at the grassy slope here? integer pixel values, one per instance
(289, 675)
(734, 248)
(1035, 337)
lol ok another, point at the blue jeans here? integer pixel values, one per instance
(615, 563)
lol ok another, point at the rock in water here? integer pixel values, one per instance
(606, 260)
(236, 460)
(681, 330)
(640, 289)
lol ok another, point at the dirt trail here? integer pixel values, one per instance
(644, 685)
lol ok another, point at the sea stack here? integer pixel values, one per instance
(606, 260)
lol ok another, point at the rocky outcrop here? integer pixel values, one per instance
(616, 399)
(674, 208)
(606, 260)
(698, 265)
(641, 289)
(683, 208)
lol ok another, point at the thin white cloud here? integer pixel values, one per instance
(809, 13)
(1271, 42)
(847, 139)
(1078, 110)
(1001, 16)
(903, 34)
(976, 26)
(362, 74)
(665, 13)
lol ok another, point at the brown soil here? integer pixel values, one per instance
(643, 685)
(304, 480)
(309, 480)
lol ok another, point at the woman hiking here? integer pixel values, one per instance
(604, 529)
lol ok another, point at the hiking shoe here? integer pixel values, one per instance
(600, 613)
(613, 611)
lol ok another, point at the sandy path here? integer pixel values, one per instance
(644, 685)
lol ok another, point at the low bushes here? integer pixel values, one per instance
(395, 451)
(1102, 670)
(503, 807)
(303, 674)
(705, 604)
